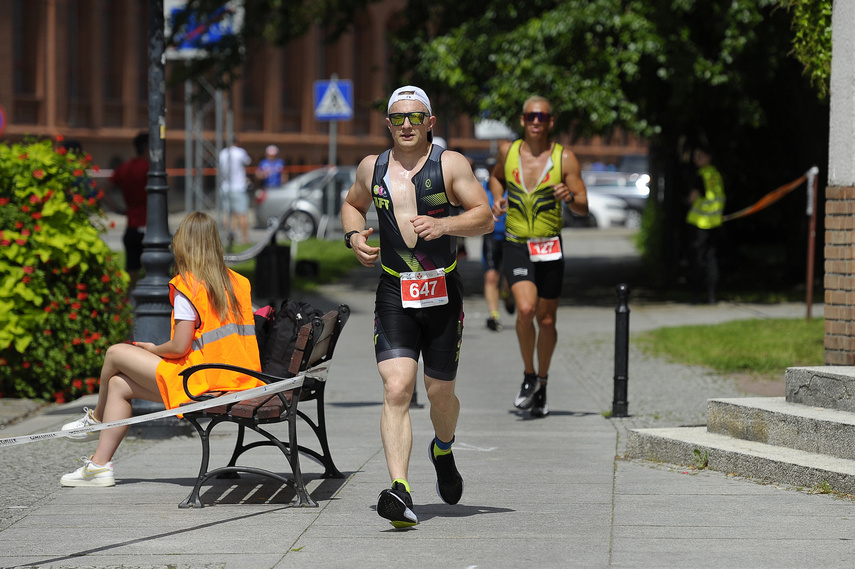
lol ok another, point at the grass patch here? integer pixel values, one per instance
(333, 258)
(761, 347)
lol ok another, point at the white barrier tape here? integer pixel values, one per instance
(232, 397)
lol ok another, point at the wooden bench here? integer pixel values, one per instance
(314, 349)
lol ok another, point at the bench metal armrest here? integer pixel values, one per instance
(265, 377)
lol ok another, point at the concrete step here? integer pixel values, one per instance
(752, 459)
(803, 439)
(832, 387)
(774, 421)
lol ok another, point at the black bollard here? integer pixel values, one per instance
(620, 404)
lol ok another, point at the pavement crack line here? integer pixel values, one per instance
(293, 547)
(614, 494)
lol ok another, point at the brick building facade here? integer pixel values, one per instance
(79, 68)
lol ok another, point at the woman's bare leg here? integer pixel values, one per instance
(128, 373)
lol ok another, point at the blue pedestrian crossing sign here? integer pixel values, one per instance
(334, 100)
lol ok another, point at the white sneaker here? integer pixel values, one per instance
(90, 474)
(87, 420)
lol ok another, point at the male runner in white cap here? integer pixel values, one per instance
(419, 304)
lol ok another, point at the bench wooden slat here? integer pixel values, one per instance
(264, 407)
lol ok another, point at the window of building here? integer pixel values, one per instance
(362, 67)
(252, 93)
(113, 54)
(292, 70)
(26, 17)
(78, 76)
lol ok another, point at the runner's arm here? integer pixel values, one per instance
(354, 210)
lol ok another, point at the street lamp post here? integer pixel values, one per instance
(153, 309)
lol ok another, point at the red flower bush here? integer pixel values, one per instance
(58, 279)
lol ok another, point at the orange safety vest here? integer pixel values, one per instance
(214, 341)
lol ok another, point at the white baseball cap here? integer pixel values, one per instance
(272, 149)
(409, 93)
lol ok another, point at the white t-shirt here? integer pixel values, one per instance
(183, 308)
(233, 163)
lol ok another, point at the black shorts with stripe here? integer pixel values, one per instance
(435, 333)
(548, 276)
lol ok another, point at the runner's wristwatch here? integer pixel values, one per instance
(347, 237)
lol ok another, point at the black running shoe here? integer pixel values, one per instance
(539, 408)
(494, 325)
(449, 483)
(509, 304)
(530, 386)
(396, 505)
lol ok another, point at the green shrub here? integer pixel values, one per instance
(63, 295)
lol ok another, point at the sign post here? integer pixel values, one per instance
(333, 102)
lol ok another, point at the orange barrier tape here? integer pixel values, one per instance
(766, 200)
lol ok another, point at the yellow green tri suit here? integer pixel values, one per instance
(536, 213)
(531, 215)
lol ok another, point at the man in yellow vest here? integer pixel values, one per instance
(706, 199)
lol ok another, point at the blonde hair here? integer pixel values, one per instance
(197, 249)
(537, 99)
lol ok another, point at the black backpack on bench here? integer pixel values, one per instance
(276, 331)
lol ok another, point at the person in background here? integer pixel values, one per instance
(233, 162)
(270, 168)
(131, 178)
(537, 175)
(209, 301)
(706, 199)
(495, 284)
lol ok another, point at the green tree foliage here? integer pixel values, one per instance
(812, 39)
(634, 64)
(63, 296)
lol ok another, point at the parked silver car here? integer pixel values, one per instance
(302, 202)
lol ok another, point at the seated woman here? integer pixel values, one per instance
(212, 323)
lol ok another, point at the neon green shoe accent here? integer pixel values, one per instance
(399, 525)
(439, 452)
(404, 482)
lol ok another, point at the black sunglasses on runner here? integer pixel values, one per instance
(416, 118)
(542, 117)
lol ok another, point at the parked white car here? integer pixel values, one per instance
(633, 188)
(603, 211)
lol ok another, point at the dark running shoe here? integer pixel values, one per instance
(396, 505)
(449, 483)
(530, 386)
(539, 408)
(494, 325)
(509, 304)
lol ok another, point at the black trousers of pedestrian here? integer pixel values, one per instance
(704, 276)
